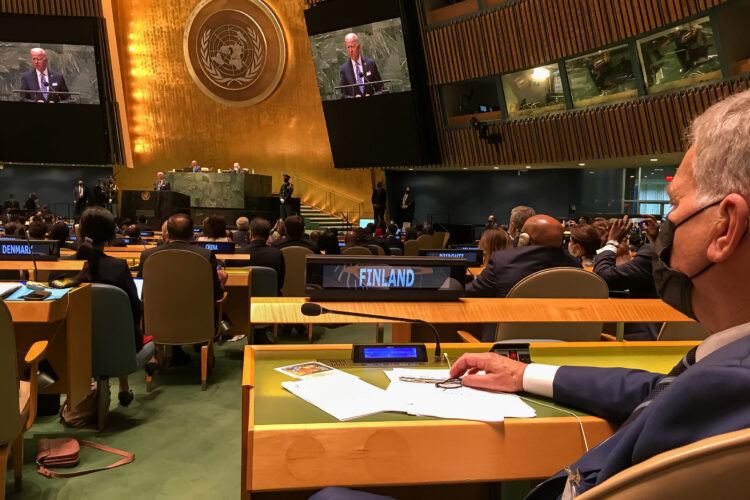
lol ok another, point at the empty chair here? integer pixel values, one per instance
(376, 249)
(356, 251)
(112, 344)
(715, 467)
(294, 271)
(676, 330)
(411, 248)
(263, 281)
(560, 283)
(396, 251)
(426, 241)
(17, 399)
(438, 239)
(178, 302)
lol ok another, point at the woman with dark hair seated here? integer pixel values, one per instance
(584, 242)
(97, 228)
(214, 229)
(328, 243)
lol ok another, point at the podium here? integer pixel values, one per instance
(220, 190)
(156, 205)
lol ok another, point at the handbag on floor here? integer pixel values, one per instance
(64, 452)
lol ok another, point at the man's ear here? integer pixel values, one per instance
(729, 230)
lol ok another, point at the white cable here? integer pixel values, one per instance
(583, 433)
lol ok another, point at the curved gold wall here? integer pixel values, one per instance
(172, 122)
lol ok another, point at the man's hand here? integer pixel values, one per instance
(501, 373)
(651, 228)
(222, 276)
(619, 229)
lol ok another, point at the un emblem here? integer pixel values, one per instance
(235, 50)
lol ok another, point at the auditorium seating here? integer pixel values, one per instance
(356, 251)
(294, 271)
(683, 331)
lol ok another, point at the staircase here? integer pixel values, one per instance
(316, 219)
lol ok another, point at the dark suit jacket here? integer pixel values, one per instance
(77, 197)
(115, 272)
(12, 204)
(165, 186)
(241, 237)
(184, 245)
(708, 399)
(56, 84)
(394, 242)
(379, 197)
(370, 73)
(265, 255)
(636, 277)
(507, 267)
(294, 242)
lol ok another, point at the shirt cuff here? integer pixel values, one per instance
(538, 378)
(607, 248)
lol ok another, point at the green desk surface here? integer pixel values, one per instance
(273, 405)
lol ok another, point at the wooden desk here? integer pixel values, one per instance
(66, 324)
(287, 310)
(42, 265)
(288, 443)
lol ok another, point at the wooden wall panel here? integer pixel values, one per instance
(650, 125)
(533, 32)
(82, 8)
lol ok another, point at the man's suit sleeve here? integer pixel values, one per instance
(144, 256)
(26, 96)
(218, 289)
(344, 80)
(610, 393)
(378, 87)
(633, 274)
(63, 87)
(484, 285)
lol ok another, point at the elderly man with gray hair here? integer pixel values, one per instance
(518, 217)
(43, 84)
(242, 235)
(702, 268)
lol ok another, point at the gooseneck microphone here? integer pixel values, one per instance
(313, 309)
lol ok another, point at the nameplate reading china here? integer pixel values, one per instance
(235, 50)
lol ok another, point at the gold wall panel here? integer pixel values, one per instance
(172, 122)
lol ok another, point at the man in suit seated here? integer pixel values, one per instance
(518, 217)
(701, 269)
(507, 267)
(242, 235)
(358, 69)
(261, 253)
(194, 166)
(295, 235)
(161, 184)
(356, 237)
(393, 241)
(41, 82)
(634, 275)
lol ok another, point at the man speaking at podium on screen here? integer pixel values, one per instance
(358, 70)
(42, 82)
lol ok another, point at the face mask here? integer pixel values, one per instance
(674, 287)
(571, 250)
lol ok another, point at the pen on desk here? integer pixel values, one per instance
(445, 355)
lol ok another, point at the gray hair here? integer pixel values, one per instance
(520, 214)
(243, 223)
(721, 136)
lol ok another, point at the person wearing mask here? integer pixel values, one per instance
(80, 197)
(583, 244)
(285, 198)
(32, 203)
(491, 223)
(97, 228)
(379, 200)
(407, 206)
(100, 193)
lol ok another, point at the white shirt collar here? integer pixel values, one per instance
(41, 72)
(720, 339)
(355, 63)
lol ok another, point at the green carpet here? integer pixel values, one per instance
(186, 441)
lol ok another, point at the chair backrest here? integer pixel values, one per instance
(295, 271)
(356, 251)
(178, 297)
(446, 239)
(263, 282)
(426, 241)
(376, 249)
(396, 251)
(714, 467)
(411, 248)
(677, 330)
(438, 239)
(11, 421)
(558, 282)
(112, 342)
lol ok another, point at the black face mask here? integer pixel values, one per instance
(674, 287)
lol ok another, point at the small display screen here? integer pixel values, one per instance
(216, 246)
(20, 249)
(390, 353)
(473, 256)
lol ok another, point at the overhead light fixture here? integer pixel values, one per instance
(581, 164)
(632, 176)
(496, 168)
(411, 169)
(528, 166)
(591, 172)
(465, 168)
(654, 159)
(539, 74)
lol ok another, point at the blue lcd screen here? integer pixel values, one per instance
(390, 353)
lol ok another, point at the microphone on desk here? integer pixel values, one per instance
(313, 309)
